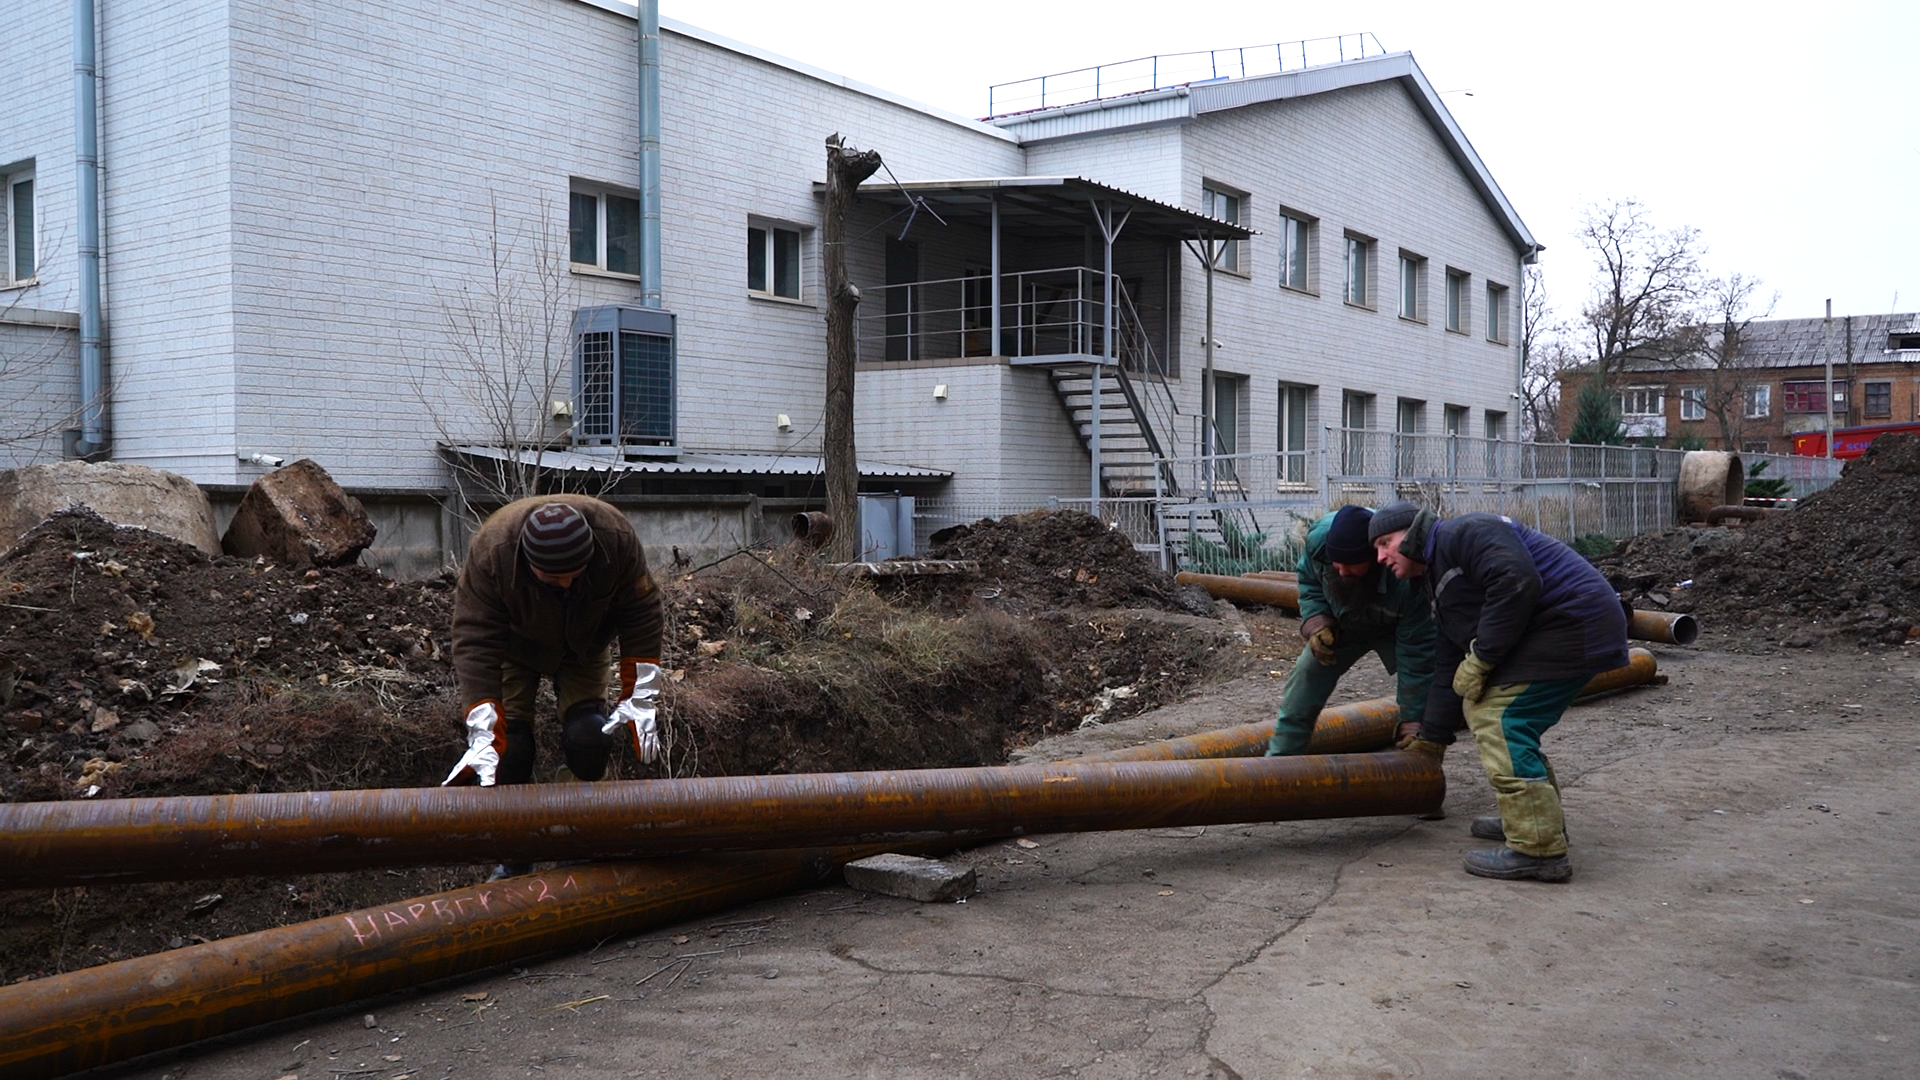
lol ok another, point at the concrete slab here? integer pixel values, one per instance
(911, 877)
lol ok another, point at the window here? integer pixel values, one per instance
(1879, 399)
(1409, 418)
(1902, 342)
(1296, 246)
(1359, 289)
(1496, 313)
(1641, 401)
(1293, 432)
(1413, 286)
(1456, 418)
(1755, 446)
(1495, 427)
(1808, 396)
(1354, 408)
(20, 242)
(1693, 403)
(1457, 301)
(1229, 397)
(773, 261)
(1225, 206)
(603, 230)
(1759, 400)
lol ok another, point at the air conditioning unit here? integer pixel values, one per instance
(623, 376)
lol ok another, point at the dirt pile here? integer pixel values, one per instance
(1841, 568)
(1064, 558)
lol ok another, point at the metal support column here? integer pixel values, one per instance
(1109, 232)
(993, 288)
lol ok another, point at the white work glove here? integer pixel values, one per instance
(484, 743)
(639, 715)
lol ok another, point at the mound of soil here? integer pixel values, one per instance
(1065, 558)
(1841, 568)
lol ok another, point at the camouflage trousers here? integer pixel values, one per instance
(1507, 724)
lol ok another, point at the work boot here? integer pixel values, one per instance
(1489, 828)
(1510, 865)
(510, 869)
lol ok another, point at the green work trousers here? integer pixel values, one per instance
(1507, 724)
(1311, 683)
(519, 684)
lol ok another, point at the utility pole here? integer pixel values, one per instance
(1826, 357)
(846, 168)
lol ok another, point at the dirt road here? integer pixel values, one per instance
(1743, 906)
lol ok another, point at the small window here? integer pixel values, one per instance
(773, 261)
(1456, 420)
(1296, 247)
(1494, 424)
(1755, 446)
(1413, 287)
(1902, 342)
(1809, 396)
(1878, 399)
(21, 242)
(1354, 410)
(1641, 401)
(603, 230)
(1359, 287)
(1759, 401)
(1225, 206)
(1457, 313)
(1693, 403)
(1496, 313)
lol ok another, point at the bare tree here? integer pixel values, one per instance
(1647, 297)
(1727, 367)
(506, 356)
(1547, 355)
(846, 168)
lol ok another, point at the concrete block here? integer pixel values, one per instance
(163, 502)
(298, 516)
(913, 878)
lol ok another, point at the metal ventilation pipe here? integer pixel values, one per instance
(92, 436)
(649, 153)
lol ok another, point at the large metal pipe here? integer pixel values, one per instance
(1673, 628)
(1254, 590)
(75, 842)
(1274, 575)
(92, 437)
(96, 1016)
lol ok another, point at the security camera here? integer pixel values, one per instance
(1515, 395)
(267, 460)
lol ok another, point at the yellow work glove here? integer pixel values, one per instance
(1470, 678)
(1423, 748)
(1323, 636)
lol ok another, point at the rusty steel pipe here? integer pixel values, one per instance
(100, 1015)
(1273, 575)
(1672, 628)
(53, 844)
(1253, 590)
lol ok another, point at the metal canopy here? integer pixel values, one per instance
(1031, 205)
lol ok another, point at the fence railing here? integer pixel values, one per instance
(1054, 312)
(1146, 73)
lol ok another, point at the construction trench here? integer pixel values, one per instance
(118, 1011)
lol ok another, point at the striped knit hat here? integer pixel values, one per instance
(557, 539)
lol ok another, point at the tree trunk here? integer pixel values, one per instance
(846, 168)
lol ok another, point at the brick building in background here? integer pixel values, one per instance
(1754, 389)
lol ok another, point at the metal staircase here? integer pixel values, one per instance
(1139, 419)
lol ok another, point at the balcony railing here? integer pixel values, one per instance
(1147, 73)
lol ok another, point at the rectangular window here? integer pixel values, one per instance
(1755, 446)
(1296, 246)
(1495, 426)
(773, 260)
(1496, 313)
(1641, 401)
(1693, 403)
(1808, 396)
(1224, 206)
(1879, 399)
(1359, 290)
(1293, 432)
(1759, 401)
(22, 256)
(1354, 408)
(1413, 286)
(603, 230)
(1457, 301)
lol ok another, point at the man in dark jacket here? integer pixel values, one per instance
(1350, 607)
(549, 582)
(1524, 621)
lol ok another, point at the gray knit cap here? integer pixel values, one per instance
(1391, 518)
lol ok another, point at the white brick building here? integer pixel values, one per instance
(299, 208)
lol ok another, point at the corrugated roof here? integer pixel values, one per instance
(1801, 343)
(1028, 202)
(716, 464)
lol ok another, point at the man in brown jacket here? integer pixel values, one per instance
(549, 582)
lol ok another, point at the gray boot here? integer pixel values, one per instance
(1510, 865)
(1488, 828)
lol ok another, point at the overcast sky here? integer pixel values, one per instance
(1789, 135)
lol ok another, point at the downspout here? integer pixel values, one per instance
(92, 436)
(649, 152)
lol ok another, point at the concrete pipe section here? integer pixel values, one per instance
(75, 842)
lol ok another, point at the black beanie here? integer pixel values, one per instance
(557, 539)
(1347, 536)
(1391, 518)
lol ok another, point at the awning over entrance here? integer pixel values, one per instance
(1037, 205)
(689, 464)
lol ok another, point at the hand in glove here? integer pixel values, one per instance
(1323, 635)
(1470, 678)
(640, 679)
(1419, 747)
(485, 741)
